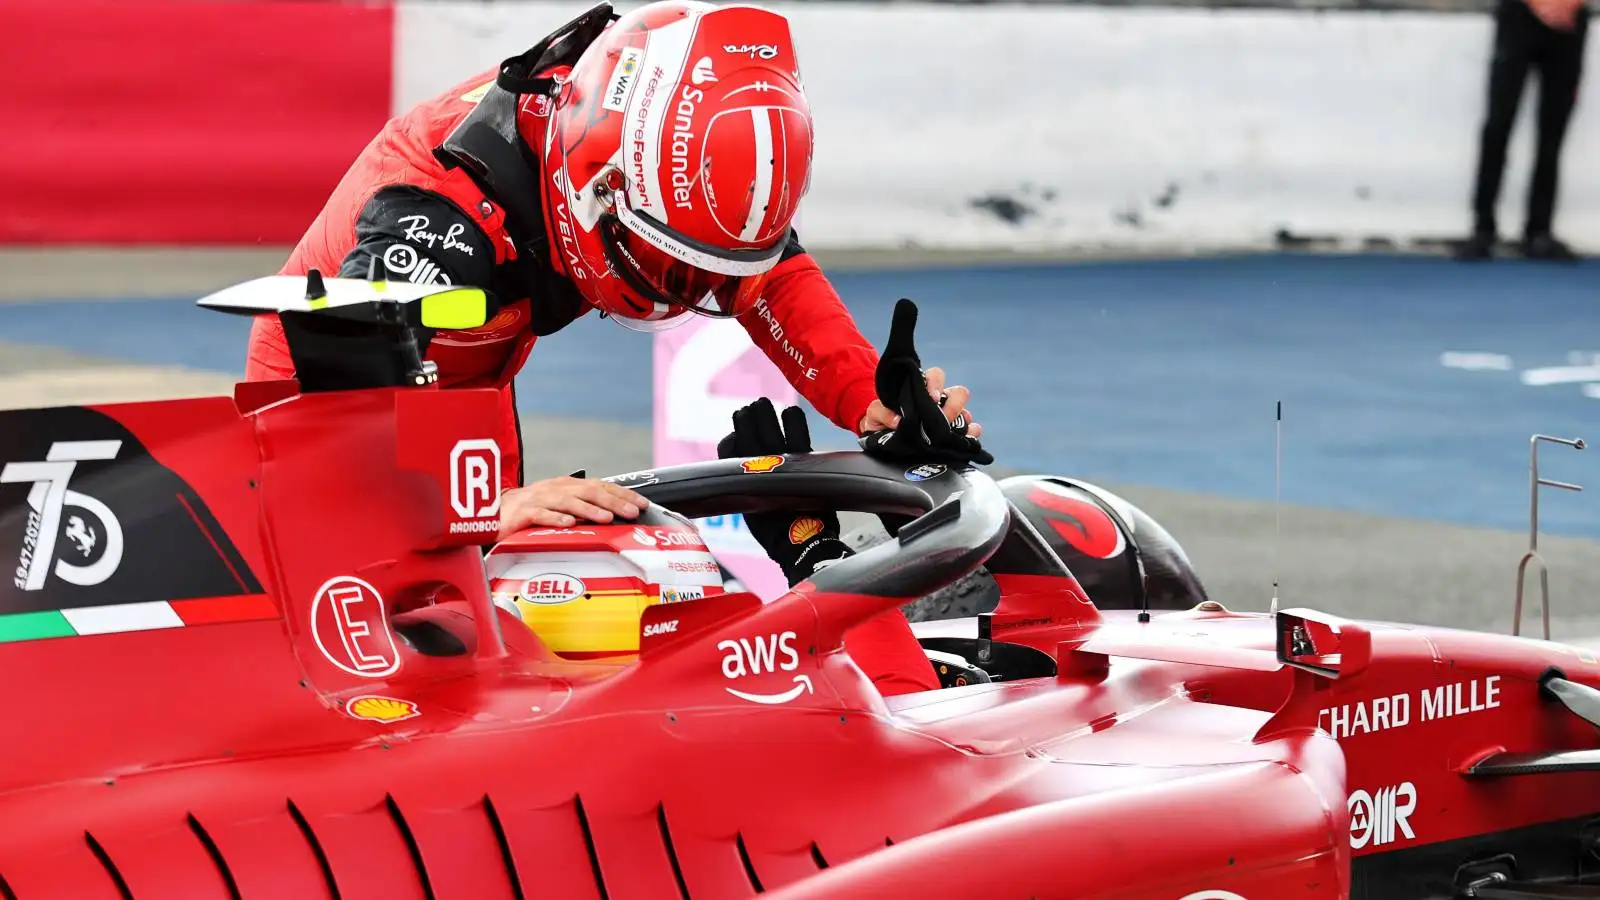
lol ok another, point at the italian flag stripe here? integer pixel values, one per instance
(122, 617)
(212, 610)
(34, 626)
(118, 618)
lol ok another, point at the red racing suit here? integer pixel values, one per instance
(409, 201)
(432, 224)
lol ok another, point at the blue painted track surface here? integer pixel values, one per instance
(1162, 373)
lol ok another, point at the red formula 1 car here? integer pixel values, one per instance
(252, 652)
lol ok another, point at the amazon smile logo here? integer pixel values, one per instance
(764, 655)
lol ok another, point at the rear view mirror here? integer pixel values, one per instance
(1322, 645)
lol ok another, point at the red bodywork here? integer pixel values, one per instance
(236, 756)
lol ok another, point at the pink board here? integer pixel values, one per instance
(704, 370)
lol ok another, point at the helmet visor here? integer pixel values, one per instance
(668, 268)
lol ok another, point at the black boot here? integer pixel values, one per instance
(1477, 248)
(1545, 247)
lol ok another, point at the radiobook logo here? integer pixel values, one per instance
(71, 535)
(474, 482)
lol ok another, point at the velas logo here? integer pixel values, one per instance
(376, 708)
(69, 535)
(350, 625)
(1079, 522)
(475, 485)
(553, 589)
(761, 464)
(804, 529)
(570, 257)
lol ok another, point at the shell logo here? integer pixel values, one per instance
(804, 529)
(374, 708)
(761, 464)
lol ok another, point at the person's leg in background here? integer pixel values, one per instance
(1514, 33)
(1560, 61)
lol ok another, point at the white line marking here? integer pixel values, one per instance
(1475, 361)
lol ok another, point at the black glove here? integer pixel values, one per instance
(924, 434)
(797, 541)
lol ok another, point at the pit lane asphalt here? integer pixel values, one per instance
(1344, 561)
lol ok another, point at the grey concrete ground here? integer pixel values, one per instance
(1344, 562)
(77, 273)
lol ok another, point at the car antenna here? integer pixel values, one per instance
(1277, 504)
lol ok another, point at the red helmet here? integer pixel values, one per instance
(678, 151)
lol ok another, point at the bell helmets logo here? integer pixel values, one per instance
(475, 485)
(350, 625)
(761, 464)
(804, 529)
(553, 589)
(70, 535)
(765, 654)
(1079, 522)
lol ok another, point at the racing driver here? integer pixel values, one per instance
(647, 167)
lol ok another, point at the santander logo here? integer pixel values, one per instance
(664, 538)
(703, 73)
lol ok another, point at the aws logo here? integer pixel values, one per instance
(1079, 521)
(763, 655)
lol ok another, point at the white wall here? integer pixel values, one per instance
(1349, 124)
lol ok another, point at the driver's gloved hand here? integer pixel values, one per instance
(797, 541)
(924, 434)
